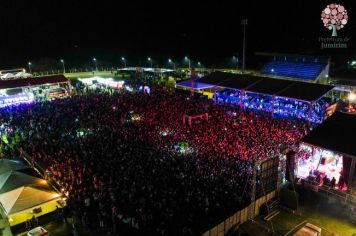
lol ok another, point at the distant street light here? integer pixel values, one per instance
(236, 60)
(64, 68)
(96, 65)
(187, 59)
(29, 67)
(124, 61)
(199, 64)
(150, 60)
(171, 62)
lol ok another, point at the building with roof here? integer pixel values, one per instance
(33, 81)
(24, 194)
(27, 90)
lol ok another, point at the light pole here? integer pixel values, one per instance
(124, 61)
(29, 67)
(96, 65)
(150, 60)
(244, 23)
(187, 59)
(64, 68)
(236, 60)
(199, 65)
(171, 62)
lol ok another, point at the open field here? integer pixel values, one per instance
(314, 209)
(105, 74)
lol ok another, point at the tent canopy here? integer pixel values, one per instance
(194, 84)
(34, 81)
(7, 165)
(15, 179)
(7, 76)
(23, 75)
(27, 197)
(303, 91)
(335, 134)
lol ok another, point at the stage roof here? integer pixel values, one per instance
(305, 91)
(217, 77)
(34, 81)
(335, 134)
(244, 83)
(302, 91)
(193, 83)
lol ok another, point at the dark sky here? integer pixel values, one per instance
(205, 31)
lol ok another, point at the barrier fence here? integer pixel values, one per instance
(239, 217)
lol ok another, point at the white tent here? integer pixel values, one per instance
(14, 179)
(26, 197)
(22, 75)
(23, 196)
(7, 76)
(20, 191)
(24, 193)
(7, 165)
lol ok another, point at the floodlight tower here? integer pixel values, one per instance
(171, 62)
(124, 61)
(244, 23)
(150, 60)
(187, 59)
(96, 64)
(64, 68)
(29, 67)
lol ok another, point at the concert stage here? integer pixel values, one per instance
(320, 166)
(327, 155)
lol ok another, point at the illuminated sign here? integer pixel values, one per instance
(334, 17)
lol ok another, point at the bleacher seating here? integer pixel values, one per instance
(295, 69)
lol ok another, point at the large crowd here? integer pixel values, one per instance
(279, 106)
(116, 156)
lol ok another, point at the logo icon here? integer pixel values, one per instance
(334, 17)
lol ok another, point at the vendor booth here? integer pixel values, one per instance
(102, 83)
(24, 194)
(27, 90)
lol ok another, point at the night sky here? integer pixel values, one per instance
(206, 31)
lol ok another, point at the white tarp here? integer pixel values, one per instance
(23, 75)
(7, 76)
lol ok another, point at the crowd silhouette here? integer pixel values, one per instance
(115, 155)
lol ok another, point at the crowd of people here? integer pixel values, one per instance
(114, 154)
(279, 106)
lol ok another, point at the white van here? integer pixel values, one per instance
(38, 231)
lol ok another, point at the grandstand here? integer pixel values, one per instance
(310, 69)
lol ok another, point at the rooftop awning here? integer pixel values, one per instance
(335, 134)
(33, 81)
(303, 91)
